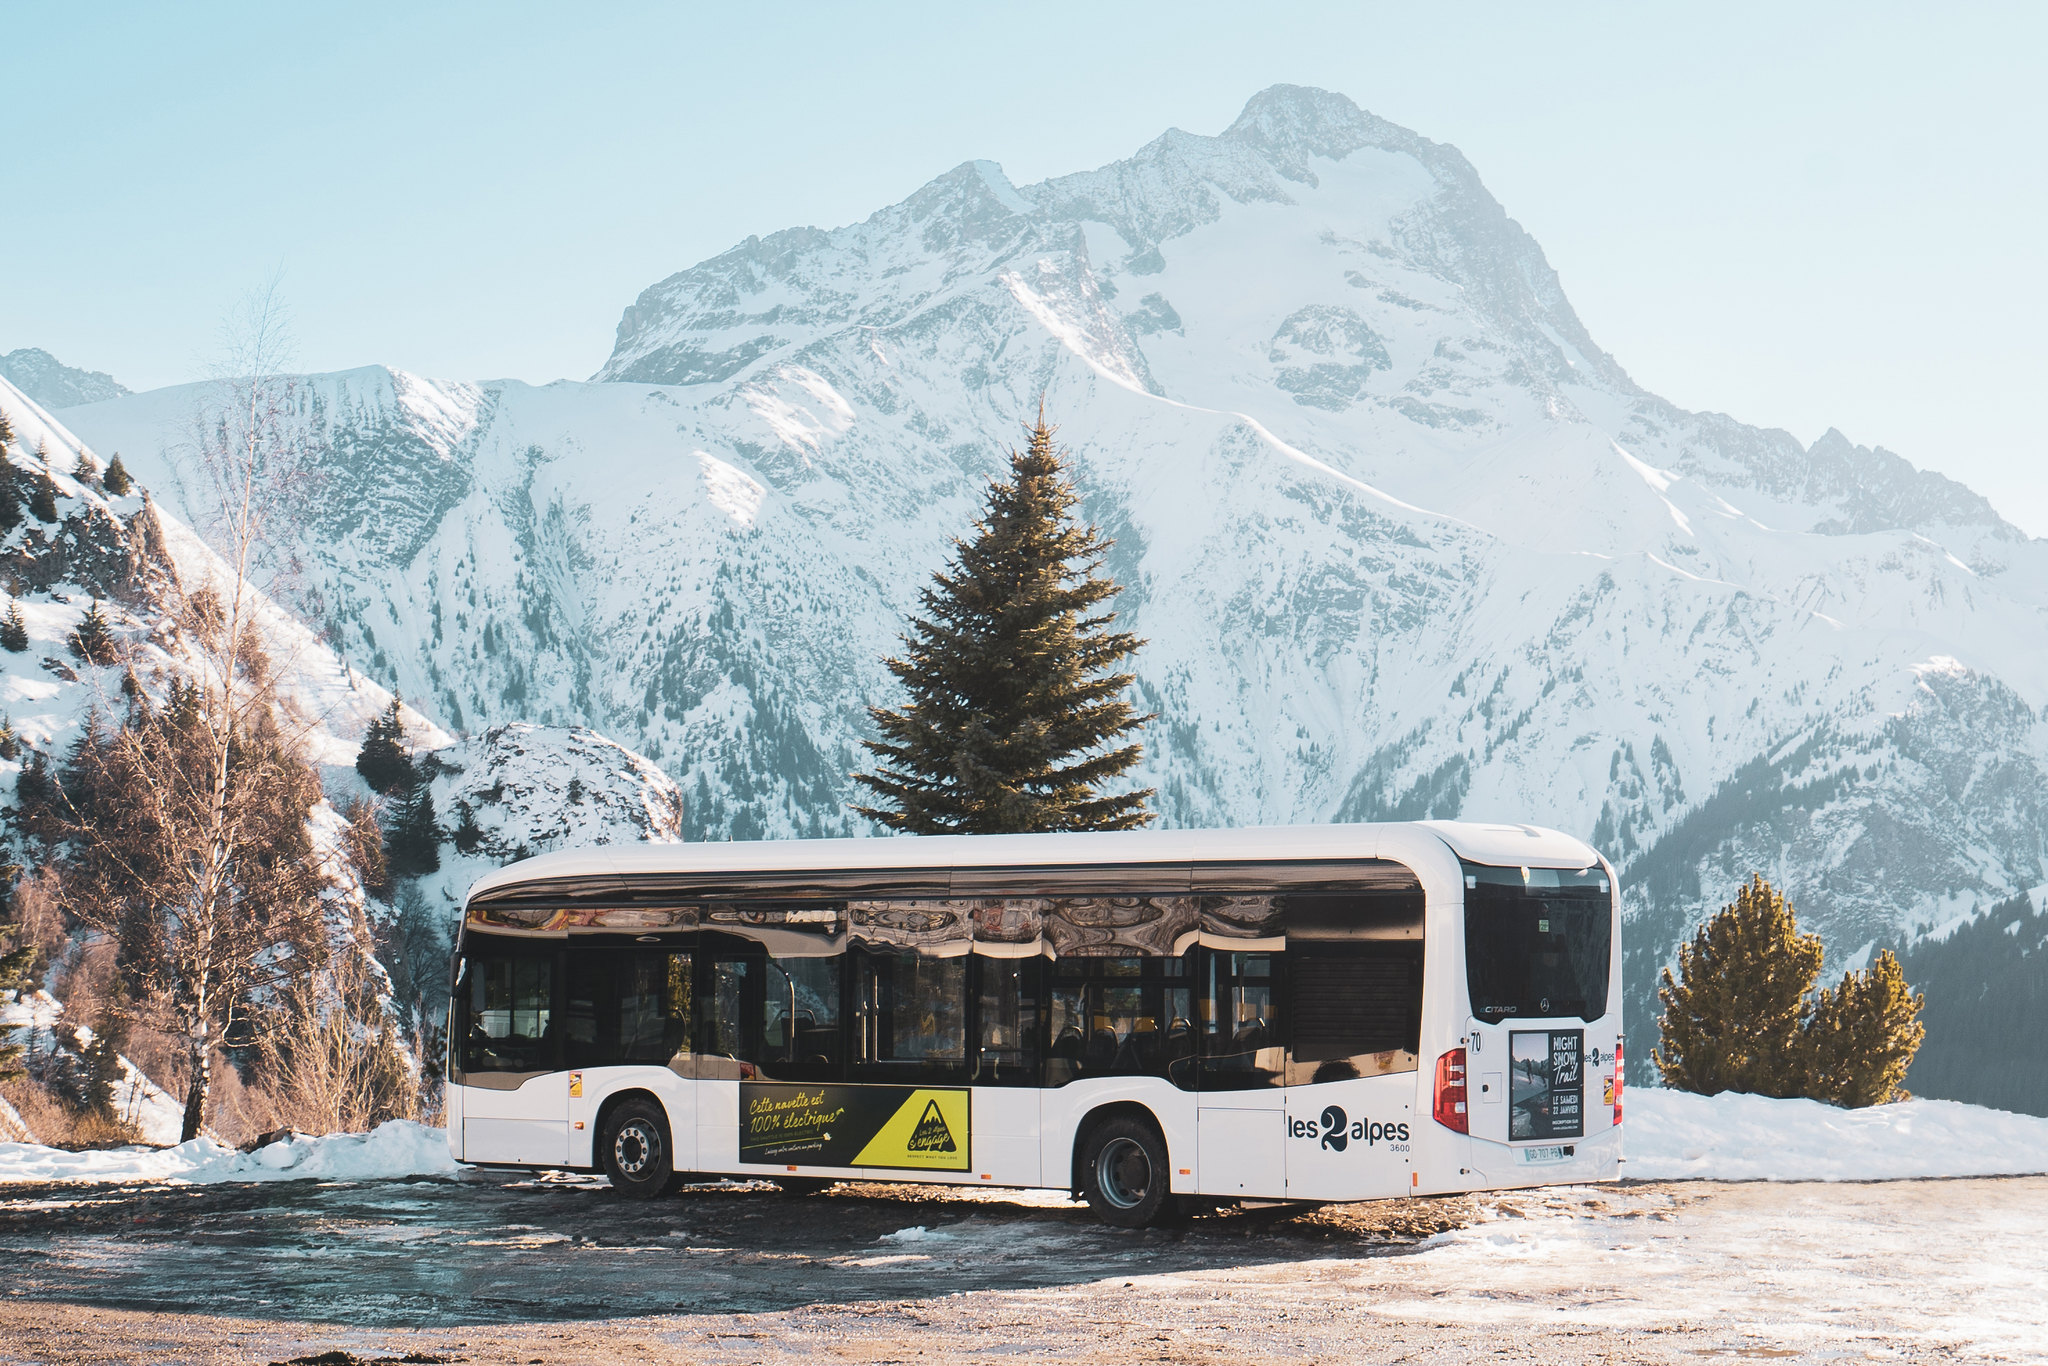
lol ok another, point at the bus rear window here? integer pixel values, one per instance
(1538, 941)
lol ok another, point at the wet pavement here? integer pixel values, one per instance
(491, 1271)
(491, 1248)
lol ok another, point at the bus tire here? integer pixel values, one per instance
(1124, 1173)
(638, 1156)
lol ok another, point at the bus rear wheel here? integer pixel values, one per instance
(1124, 1173)
(638, 1159)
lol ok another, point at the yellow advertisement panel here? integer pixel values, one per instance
(834, 1125)
(928, 1132)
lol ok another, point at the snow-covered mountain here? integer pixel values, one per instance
(1403, 540)
(518, 789)
(40, 376)
(514, 790)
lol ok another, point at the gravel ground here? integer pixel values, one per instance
(560, 1272)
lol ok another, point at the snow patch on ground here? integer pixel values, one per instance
(1679, 1136)
(390, 1152)
(1670, 1135)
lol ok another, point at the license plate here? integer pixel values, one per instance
(1560, 1153)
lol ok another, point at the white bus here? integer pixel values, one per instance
(1148, 1019)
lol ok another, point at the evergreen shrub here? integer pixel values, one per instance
(1742, 1013)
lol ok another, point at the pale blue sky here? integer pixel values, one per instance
(1805, 215)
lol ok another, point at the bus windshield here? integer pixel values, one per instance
(1537, 941)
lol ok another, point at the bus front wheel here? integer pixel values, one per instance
(637, 1156)
(1124, 1173)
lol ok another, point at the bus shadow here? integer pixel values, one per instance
(496, 1249)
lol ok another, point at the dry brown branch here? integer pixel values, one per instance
(337, 1061)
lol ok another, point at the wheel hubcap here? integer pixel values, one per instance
(637, 1147)
(1123, 1173)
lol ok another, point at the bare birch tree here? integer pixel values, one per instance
(190, 820)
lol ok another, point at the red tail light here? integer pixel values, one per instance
(1617, 1082)
(1450, 1091)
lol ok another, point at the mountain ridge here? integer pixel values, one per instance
(1402, 539)
(41, 377)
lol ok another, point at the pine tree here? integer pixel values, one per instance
(10, 496)
(182, 706)
(468, 834)
(104, 1074)
(15, 967)
(365, 844)
(1014, 718)
(1862, 1036)
(93, 641)
(1739, 1017)
(13, 630)
(117, 481)
(1734, 1015)
(383, 760)
(10, 739)
(34, 792)
(412, 846)
(43, 502)
(10, 492)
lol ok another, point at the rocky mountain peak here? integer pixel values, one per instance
(1300, 117)
(48, 381)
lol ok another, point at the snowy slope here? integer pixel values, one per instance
(519, 789)
(116, 549)
(128, 553)
(37, 1023)
(1403, 540)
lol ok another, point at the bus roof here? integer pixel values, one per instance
(1504, 845)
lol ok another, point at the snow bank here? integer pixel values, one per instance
(391, 1151)
(1670, 1136)
(1679, 1136)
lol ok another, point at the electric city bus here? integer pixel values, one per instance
(1146, 1018)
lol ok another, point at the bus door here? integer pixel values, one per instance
(1241, 1111)
(516, 1100)
(1006, 1071)
(629, 1007)
(731, 996)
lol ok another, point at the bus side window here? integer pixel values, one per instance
(1120, 1017)
(1008, 1011)
(1354, 981)
(678, 1008)
(731, 1009)
(1357, 1010)
(621, 1005)
(1242, 1040)
(910, 1017)
(800, 1019)
(511, 1014)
